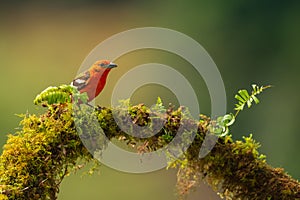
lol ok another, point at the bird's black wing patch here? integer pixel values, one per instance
(82, 80)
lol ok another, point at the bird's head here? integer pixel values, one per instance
(104, 64)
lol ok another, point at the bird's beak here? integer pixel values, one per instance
(112, 65)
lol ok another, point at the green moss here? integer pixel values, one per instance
(37, 158)
(49, 147)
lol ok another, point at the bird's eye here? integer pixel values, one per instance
(102, 64)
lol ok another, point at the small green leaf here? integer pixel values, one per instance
(255, 99)
(244, 94)
(229, 119)
(159, 101)
(238, 97)
(244, 98)
(249, 103)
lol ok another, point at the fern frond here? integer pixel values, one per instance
(55, 95)
(244, 98)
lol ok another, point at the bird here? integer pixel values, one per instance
(93, 80)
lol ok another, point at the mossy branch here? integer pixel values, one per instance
(48, 147)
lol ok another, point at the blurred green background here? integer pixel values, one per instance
(44, 43)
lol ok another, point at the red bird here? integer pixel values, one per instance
(93, 80)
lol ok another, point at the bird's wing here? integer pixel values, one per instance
(82, 80)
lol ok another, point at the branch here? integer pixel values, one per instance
(48, 147)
